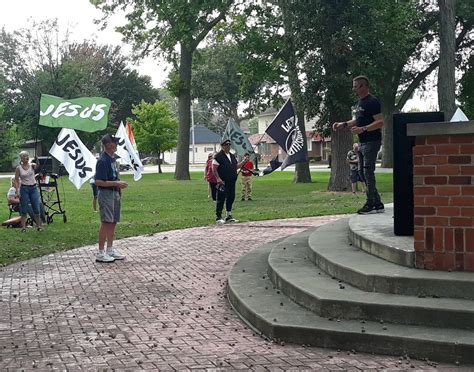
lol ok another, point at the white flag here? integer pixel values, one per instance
(76, 158)
(126, 151)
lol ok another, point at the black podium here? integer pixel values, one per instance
(403, 168)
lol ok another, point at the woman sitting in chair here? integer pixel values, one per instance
(27, 190)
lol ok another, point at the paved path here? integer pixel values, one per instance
(162, 308)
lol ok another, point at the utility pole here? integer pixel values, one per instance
(192, 129)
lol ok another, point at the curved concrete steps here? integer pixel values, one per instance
(374, 234)
(332, 251)
(268, 310)
(292, 271)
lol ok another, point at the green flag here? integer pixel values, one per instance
(89, 114)
(240, 142)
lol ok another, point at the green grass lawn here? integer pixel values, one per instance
(159, 203)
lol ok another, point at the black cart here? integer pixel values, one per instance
(48, 187)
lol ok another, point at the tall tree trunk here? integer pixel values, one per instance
(341, 143)
(446, 75)
(302, 172)
(159, 162)
(184, 114)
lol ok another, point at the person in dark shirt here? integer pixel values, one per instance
(224, 167)
(367, 125)
(109, 196)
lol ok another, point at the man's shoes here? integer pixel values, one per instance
(230, 219)
(220, 221)
(115, 254)
(379, 208)
(366, 209)
(103, 257)
(249, 199)
(243, 199)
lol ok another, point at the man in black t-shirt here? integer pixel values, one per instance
(367, 125)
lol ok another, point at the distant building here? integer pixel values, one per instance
(205, 142)
(34, 148)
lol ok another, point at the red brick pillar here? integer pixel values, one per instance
(444, 198)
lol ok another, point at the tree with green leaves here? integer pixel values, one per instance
(271, 61)
(402, 50)
(155, 128)
(159, 27)
(466, 96)
(397, 53)
(43, 62)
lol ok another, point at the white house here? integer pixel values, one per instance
(205, 141)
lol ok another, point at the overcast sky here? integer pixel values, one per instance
(78, 17)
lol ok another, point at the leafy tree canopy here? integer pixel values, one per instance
(155, 127)
(42, 62)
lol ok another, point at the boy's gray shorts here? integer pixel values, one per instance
(109, 205)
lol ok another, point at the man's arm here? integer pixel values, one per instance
(344, 124)
(376, 124)
(104, 183)
(215, 173)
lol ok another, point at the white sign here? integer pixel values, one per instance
(459, 116)
(76, 158)
(129, 155)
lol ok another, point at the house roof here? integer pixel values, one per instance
(204, 135)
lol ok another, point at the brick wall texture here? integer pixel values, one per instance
(443, 180)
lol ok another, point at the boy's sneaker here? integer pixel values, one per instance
(230, 219)
(366, 209)
(103, 257)
(219, 221)
(379, 208)
(115, 254)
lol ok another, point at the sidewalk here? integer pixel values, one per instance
(164, 308)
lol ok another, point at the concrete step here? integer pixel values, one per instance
(269, 311)
(374, 234)
(332, 251)
(292, 271)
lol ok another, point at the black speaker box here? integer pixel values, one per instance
(403, 168)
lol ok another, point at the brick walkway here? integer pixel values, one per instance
(162, 308)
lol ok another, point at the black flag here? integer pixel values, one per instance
(285, 131)
(274, 164)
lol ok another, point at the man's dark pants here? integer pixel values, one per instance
(368, 156)
(228, 196)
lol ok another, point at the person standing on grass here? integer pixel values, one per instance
(246, 179)
(27, 190)
(224, 167)
(354, 164)
(367, 125)
(109, 197)
(210, 178)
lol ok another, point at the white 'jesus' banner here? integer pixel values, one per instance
(76, 158)
(126, 151)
